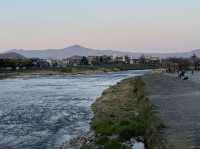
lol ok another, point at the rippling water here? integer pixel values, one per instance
(43, 112)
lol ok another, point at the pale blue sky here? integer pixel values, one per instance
(137, 25)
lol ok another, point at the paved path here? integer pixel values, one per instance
(178, 103)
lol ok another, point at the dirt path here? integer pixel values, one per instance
(178, 103)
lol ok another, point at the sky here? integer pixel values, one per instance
(126, 25)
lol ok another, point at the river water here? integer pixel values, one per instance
(43, 112)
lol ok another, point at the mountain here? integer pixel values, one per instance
(197, 52)
(11, 55)
(178, 55)
(82, 51)
(69, 51)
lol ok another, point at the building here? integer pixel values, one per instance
(152, 60)
(74, 60)
(119, 59)
(134, 61)
(92, 60)
(39, 63)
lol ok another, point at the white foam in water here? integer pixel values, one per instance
(138, 145)
(44, 112)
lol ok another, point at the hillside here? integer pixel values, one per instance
(83, 51)
(70, 51)
(11, 55)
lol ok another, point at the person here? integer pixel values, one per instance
(181, 74)
(186, 78)
(192, 71)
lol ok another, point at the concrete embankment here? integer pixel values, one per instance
(177, 102)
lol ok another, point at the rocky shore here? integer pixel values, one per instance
(87, 140)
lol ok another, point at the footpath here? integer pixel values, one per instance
(177, 102)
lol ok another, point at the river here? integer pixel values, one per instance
(42, 112)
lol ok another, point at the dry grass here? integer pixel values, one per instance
(123, 112)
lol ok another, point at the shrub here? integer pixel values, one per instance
(103, 127)
(101, 140)
(113, 144)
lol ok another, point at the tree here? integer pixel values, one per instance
(183, 63)
(142, 59)
(127, 59)
(84, 61)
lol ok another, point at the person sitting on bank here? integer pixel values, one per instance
(181, 74)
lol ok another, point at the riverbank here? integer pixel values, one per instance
(50, 109)
(73, 70)
(47, 73)
(123, 117)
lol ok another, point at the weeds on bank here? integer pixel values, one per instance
(124, 112)
(121, 113)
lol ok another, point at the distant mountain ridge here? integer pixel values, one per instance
(68, 52)
(11, 55)
(82, 51)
